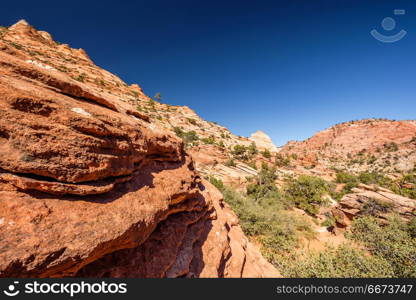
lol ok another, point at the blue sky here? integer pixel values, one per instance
(289, 68)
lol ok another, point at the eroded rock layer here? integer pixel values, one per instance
(89, 186)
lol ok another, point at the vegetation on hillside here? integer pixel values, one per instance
(265, 218)
(394, 242)
(342, 262)
(307, 193)
(375, 250)
(188, 137)
(405, 186)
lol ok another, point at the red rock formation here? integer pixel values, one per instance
(374, 200)
(376, 138)
(90, 187)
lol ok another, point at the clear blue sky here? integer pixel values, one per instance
(290, 68)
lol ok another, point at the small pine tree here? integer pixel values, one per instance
(158, 97)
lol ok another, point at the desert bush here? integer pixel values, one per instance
(240, 152)
(406, 186)
(411, 228)
(252, 164)
(158, 97)
(192, 121)
(17, 46)
(342, 262)
(374, 208)
(393, 242)
(266, 221)
(392, 147)
(350, 182)
(230, 163)
(266, 154)
(307, 192)
(375, 178)
(252, 149)
(188, 137)
(281, 161)
(263, 185)
(217, 183)
(81, 77)
(209, 140)
(329, 221)
(348, 179)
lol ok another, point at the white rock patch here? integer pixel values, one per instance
(321, 229)
(40, 65)
(80, 111)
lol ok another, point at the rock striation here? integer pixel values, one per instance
(373, 200)
(263, 141)
(92, 186)
(365, 145)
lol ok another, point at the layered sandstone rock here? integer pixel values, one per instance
(263, 141)
(373, 200)
(211, 161)
(207, 244)
(90, 186)
(357, 146)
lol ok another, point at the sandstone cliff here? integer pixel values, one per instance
(93, 185)
(263, 141)
(366, 145)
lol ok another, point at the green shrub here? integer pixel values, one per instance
(375, 178)
(188, 137)
(282, 161)
(342, 262)
(252, 164)
(393, 242)
(406, 186)
(349, 180)
(252, 149)
(217, 183)
(266, 154)
(192, 121)
(158, 97)
(276, 230)
(264, 186)
(81, 77)
(329, 222)
(391, 147)
(240, 152)
(307, 193)
(17, 46)
(411, 228)
(374, 208)
(230, 163)
(209, 140)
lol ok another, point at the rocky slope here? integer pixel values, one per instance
(366, 145)
(37, 48)
(93, 184)
(263, 141)
(373, 200)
